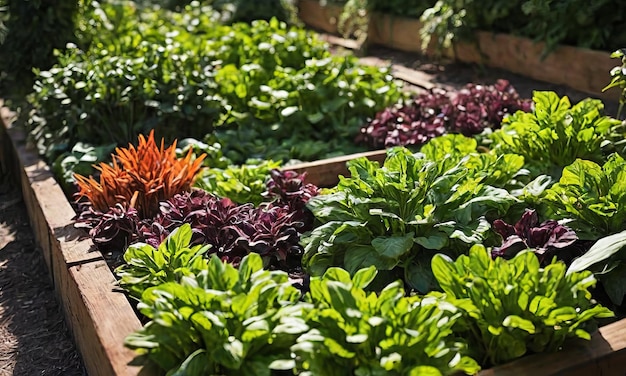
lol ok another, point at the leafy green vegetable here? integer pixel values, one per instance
(555, 133)
(593, 196)
(512, 307)
(354, 332)
(147, 266)
(607, 260)
(398, 216)
(221, 321)
(242, 184)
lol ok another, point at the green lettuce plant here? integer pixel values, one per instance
(555, 133)
(242, 184)
(396, 217)
(356, 332)
(593, 197)
(221, 321)
(514, 307)
(147, 266)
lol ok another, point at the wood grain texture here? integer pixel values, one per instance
(604, 355)
(325, 172)
(319, 17)
(98, 316)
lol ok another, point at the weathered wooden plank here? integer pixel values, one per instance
(579, 68)
(50, 212)
(604, 355)
(325, 172)
(100, 317)
(320, 17)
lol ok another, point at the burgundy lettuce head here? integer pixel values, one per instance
(288, 188)
(413, 123)
(477, 107)
(547, 239)
(232, 230)
(270, 231)
(206, 214)
(112, 231)
(468, 111)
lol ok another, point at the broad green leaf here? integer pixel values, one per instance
(393, 247)
(600, 251)
(194, 365)
(338, 274)
(424, 371)
(363, 277)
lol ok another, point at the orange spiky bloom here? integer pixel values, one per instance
(140, 177)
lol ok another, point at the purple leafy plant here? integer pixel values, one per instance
(232, 230)
(412, 123)
(110, 231)
(547, 239)
(476, 107)
(272, 229)
(288, 188)
(468, 111)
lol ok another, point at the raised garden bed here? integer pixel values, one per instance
(579, 68)
(100, 316)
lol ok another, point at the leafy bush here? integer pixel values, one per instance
(306, 114)
(139, 177)
(355, 332)
(261, 90)
(396, 217)
(243, 10)
(34, 29)
(512, 307)
(103, 98)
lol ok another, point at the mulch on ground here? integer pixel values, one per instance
(34, 339)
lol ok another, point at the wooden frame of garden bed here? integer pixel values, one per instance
(100, 316)
(579, 68)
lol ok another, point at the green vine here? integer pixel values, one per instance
(354, 21)
(619, 78)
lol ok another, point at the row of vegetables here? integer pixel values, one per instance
(481, 243)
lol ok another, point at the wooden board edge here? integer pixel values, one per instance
(325, 172)
(604, 354)
(98, 317)
(322, 17)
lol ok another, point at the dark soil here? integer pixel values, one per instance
(33, 337)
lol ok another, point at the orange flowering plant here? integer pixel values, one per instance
(140, 177)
